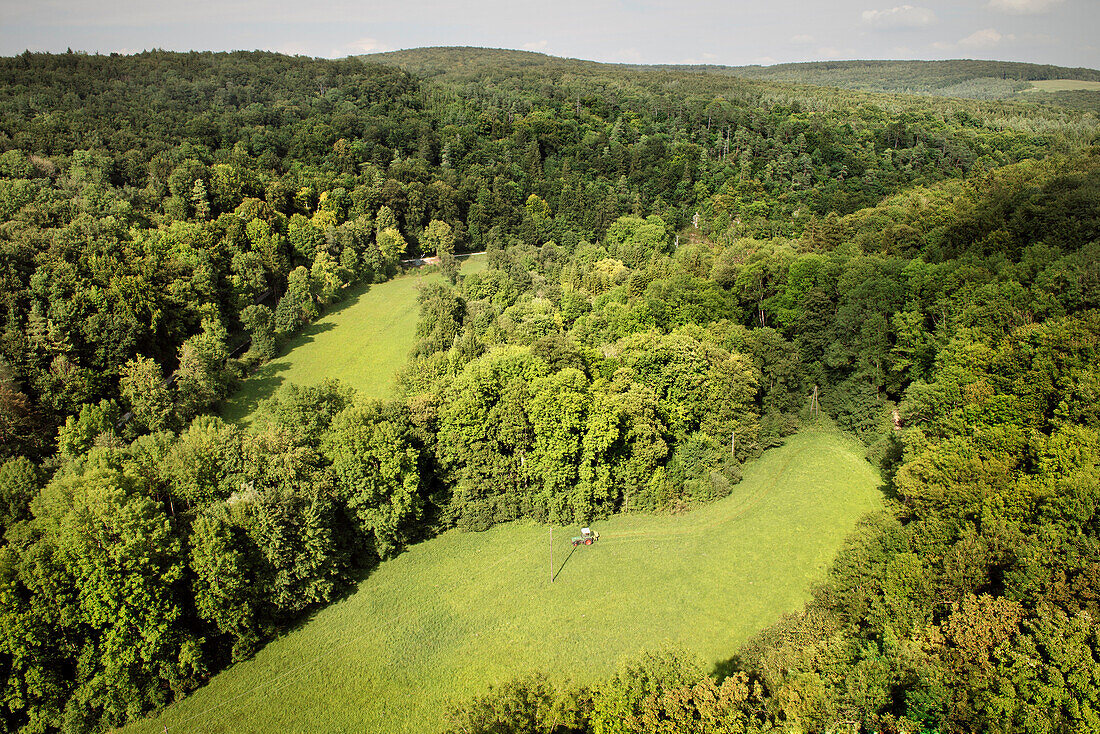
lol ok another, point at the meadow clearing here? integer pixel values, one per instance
(1065, 85)
(453, 614)
(362, 340)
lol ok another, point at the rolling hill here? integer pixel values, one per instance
(966, 78)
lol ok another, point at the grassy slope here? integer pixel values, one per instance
(363, 341)
(460, 611)
(1066, 85)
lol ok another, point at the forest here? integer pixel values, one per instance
(970, 78)
(677, 261)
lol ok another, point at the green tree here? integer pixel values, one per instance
(442, 312)
(327, 279)
(296, 307)
(204, 464)
(378, 471)
(19, 484)
(199, 200)
(249, 278)
(94, 424)
(125, 565)
(620, 703)
(558, 412)
(224, 584)
(391, 244)
(307, 411)
(15, 412)
(203, 376)
(306, 239)
(259, 321)
(385, 220)
(485, 435)
(439, 239)
(625, 446)
(143, 387)
(533, 705)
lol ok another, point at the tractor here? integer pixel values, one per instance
(588, 536)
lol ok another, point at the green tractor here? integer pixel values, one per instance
(588, 536)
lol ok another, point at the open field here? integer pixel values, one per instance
(455, 613)
(363, 341)
(1064, 85)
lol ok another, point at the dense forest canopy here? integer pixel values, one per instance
(167, 193)
(676, 259)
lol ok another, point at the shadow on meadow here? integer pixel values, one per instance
(347, 587)
(265, 381)
(562, 566)
(306, 335)
(350, 297)
(725, 668)
(259, 386)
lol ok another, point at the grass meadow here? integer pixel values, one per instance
(458, 612)
(1065, 85)
(363, 341)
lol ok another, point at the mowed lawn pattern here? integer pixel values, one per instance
(362, 341)
(453, 614)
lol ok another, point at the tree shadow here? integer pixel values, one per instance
(889, 460)
(260, 386)
(264, 381)
(305, 335)
(725, 668)
(558, 572)
(346, 588)
(351, 297)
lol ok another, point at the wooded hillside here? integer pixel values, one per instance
(677, 262)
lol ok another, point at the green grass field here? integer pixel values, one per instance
(363, 341)
(455, 613)
(1065, 85)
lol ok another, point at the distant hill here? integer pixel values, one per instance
(460, 63)
(957, 78)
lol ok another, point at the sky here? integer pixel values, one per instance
(732, 32)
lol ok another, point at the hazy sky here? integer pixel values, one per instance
(641, 31)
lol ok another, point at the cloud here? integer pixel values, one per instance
(764, 61)
(1022, 7)
(705, 58)
(899, 17)
(293, 48)
(628, 56)
(802, 38)
(362, 46)
(985, 38)
(535, 46)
